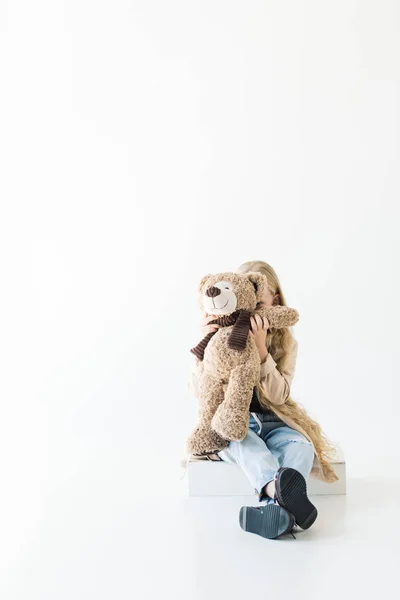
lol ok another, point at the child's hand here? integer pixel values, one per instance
(205, 328)
(259, 328)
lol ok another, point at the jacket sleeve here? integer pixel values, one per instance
(276, 384)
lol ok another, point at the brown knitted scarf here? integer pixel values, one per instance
(240, 319)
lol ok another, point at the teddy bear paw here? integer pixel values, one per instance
(204, 440)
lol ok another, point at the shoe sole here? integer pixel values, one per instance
(269, 521)
(291, 493)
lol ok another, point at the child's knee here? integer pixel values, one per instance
(308, 450)
(304, 445)
(300, 446)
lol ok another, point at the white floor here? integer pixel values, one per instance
(97, 539)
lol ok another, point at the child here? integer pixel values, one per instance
(283, 444)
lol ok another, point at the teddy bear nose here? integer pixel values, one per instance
(213, 291)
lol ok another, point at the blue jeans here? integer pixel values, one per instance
(267, 446)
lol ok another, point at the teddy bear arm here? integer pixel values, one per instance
(280, 316)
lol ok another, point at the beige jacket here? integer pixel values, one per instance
(276, 386)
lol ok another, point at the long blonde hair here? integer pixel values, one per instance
(279, 343)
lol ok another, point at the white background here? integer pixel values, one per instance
(145, 144)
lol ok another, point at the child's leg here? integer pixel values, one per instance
(291, 449)
(295, 452)
(254, 458)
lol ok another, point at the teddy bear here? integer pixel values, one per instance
(229, 357)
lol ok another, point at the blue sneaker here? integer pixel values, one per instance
(270, 521)
(291, 493)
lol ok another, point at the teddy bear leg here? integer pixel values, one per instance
(203, 439)
(231, 419)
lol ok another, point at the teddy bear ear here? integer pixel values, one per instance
(259, 281)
